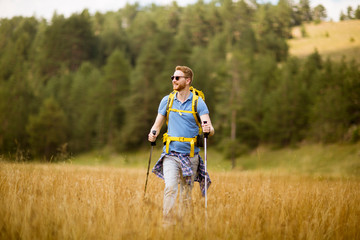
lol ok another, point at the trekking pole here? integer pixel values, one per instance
(205, 150)
(151, 149)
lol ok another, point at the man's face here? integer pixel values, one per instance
(179, 84)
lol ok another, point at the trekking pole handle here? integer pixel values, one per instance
(206, 134)
(153, 143)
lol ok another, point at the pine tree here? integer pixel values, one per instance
(285, 119)
(264, 78)
(141, 106)
(350, 12)
(305, 10)
(66, 43)
(117, 81)
(84, 105)
(16, 97)
(319, 13)
(47, 130)
(357, 12)
(111, 34)
(270, 33)
(329, 115)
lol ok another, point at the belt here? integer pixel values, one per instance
(168, 139)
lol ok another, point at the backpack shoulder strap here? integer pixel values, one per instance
(197, 92)
(169, 105)
(195, 113)
(195, 100)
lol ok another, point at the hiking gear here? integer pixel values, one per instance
(166, 138)
(151, 150)
(206, 135)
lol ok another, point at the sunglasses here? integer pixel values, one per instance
(177, 77)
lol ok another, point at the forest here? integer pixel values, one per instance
(83, 82)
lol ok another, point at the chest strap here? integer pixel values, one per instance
(193, 111)
(168, 139)
(179, 111)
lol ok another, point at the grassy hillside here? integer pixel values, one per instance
(331, 39)
(315, 159)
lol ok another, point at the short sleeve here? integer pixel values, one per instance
(162, 106)
(202, 108)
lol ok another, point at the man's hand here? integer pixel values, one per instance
(206, 127)
(152, 136)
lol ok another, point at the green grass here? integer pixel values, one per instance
(140, 159)
(331, 39)
(311, 159)
(316, 159)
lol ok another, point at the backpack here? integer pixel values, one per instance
(197, 139)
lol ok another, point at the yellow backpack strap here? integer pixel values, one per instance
(168, 139)
(169, 105)
(197, 92)
(195, 113)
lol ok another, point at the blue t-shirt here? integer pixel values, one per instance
(184, 124)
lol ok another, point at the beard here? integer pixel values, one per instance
(179, 85)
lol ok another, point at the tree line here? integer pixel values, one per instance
(350, 13)
(89, 81)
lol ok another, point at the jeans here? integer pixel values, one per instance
(173, 176)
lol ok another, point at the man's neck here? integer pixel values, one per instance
(183, 94)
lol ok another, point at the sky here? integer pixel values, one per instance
(46, 8)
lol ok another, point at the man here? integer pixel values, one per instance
(180, 160)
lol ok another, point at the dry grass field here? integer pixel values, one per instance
(63, 201)
(331, 39)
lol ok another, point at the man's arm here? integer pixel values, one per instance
(208, 128)
(159, 121)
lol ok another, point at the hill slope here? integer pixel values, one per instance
(307, 159)
(331, 39)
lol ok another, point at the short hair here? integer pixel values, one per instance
(187, 71)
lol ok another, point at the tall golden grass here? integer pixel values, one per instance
(40, 201)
